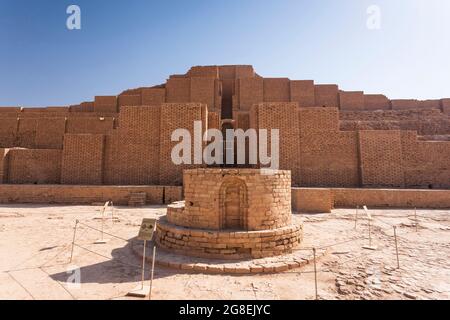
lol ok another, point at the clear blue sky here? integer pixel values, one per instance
(126, 44)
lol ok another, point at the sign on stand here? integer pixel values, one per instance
(146, 232)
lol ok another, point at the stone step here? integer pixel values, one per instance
(137, 199)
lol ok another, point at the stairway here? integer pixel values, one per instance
(137, 199)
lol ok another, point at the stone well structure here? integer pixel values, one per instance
(231, 214)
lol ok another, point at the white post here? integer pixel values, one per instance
(315, 272)
(143, 265)
(153, 269)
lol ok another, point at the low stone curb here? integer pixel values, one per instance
(295, 260)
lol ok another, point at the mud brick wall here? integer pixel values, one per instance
(429, 104)
(105, 104)
(426, 163)
(90, 125)
(376, 102)
(250, 92)
(66, 194)
(446, 106)
(381, 159)
(242, 120)
(82, 161)
(132, 154)
(351, 100)
(382, 198)
(312, 200)
(329, 159)
(178, 90)
(172, 194)
(228, 245)
(303, 92)
(129, 100)
(115, 160)
(204, 72)
(153, 96)
(26, 134)
(62, 110)
(403, 104)
(326, 95)
(277, 90)
(265, 200)
(213, 120)
(318, 119)
(203, 90)
(173, 117)
(50, 133)
(34, 166)
(284, 117)
(4, 165)
(8, 132)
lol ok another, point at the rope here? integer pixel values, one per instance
(109, 234)
(106, 257)
(23, 287)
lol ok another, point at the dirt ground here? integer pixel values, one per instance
(35, 250)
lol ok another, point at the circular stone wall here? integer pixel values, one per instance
(228, 245)
(240, 199)
(231, 214)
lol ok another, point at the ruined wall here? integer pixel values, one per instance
(50, 133)
(27, 166)
(265, 199)
(3, 165)
(88, 195)
(351, 100)
(82, 160)
(91, 125)
(132, 152)
(105, 104)
(381, 159)
(8, 132)
(283, 117)
(137, 146)
(303, 92)
(426, 163)
(178, 116)
(26, 133)
(328, 157)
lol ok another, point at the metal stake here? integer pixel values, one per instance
(396, 247)
(73, 240)
(143, 265)
(153, 269)
(356, 216)
(417, 221)
(315, 272)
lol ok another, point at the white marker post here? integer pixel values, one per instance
(103, 240)
(369, 217)
(146, 232)
(153, 270)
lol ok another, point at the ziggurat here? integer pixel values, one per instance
(328, 137)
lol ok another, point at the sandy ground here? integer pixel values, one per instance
(35, 249)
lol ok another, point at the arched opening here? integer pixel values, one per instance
(233, 205)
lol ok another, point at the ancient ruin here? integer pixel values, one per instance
(329, 138)
(231, 214)
(337, 149)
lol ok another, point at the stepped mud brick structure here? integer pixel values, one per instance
(231, 214)
(329, 137)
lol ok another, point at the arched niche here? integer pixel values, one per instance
(233, 205)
